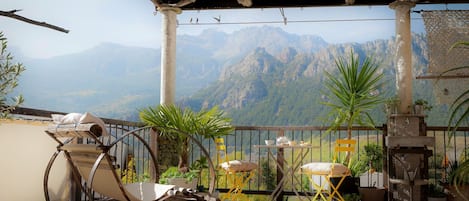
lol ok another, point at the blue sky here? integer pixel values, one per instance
(134, 23)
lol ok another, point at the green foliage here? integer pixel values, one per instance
(352, 93)
(268, 175)
(176, 123)
(370, 159)
(464, 154)
(357, 167)
(374, 155)
(9, 74)
(458, 173)
(424, 103)
(172, 120)
(173, 172)
(198, 166)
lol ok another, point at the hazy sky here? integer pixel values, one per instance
(134, 23)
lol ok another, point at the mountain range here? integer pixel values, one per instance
(258, 75)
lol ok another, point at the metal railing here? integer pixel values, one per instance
(240, 145)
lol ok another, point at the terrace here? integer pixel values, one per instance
(26, 137)
(29, 133)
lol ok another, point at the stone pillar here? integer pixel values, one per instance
(168, 54)
(403, 54)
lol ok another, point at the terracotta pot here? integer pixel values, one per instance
(183, 183)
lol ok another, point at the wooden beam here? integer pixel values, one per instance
(12, 14)
(441, 76)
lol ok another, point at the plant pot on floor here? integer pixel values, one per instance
(436, 199)
(372, 193)
(454, 195)
(348, 186)
(183, 183)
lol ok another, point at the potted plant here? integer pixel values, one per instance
(373, 157)
(172, 121)
(180, 179)
(457, 182)
(185, 179)
(436, 192)
(352, 93)
(391, 105)
(420, 106)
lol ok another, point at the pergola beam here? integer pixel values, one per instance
(12, 14)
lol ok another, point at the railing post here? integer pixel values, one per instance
(280, 159)
(155, 173)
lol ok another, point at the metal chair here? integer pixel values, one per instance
(94, 164)
(328, 170)
(238, 172)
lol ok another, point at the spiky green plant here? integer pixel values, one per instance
(172, 121)
(353, 92)
(459, 115)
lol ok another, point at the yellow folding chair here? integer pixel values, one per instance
(238, 172)
(328, 170)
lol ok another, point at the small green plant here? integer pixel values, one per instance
(456, 174)
(391, 105)
(173, 172)
(424, 104)
(357, 167)
(374, 156)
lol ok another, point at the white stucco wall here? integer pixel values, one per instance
(26, 150)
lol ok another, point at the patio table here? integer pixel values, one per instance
(287, 167)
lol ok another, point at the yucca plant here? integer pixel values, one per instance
(353, 92)
(172, 121)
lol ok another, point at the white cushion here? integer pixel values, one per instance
(57, 118)
(325, 168)
(89, 118)
(238, 166)
(70, 118)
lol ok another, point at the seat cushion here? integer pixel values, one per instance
(147, 191)
(238, 166)
(325, 168)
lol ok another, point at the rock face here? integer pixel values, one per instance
(255, 74)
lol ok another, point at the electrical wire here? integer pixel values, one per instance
(292, 21)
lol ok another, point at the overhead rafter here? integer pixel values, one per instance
(12, 14)
(235, 4)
